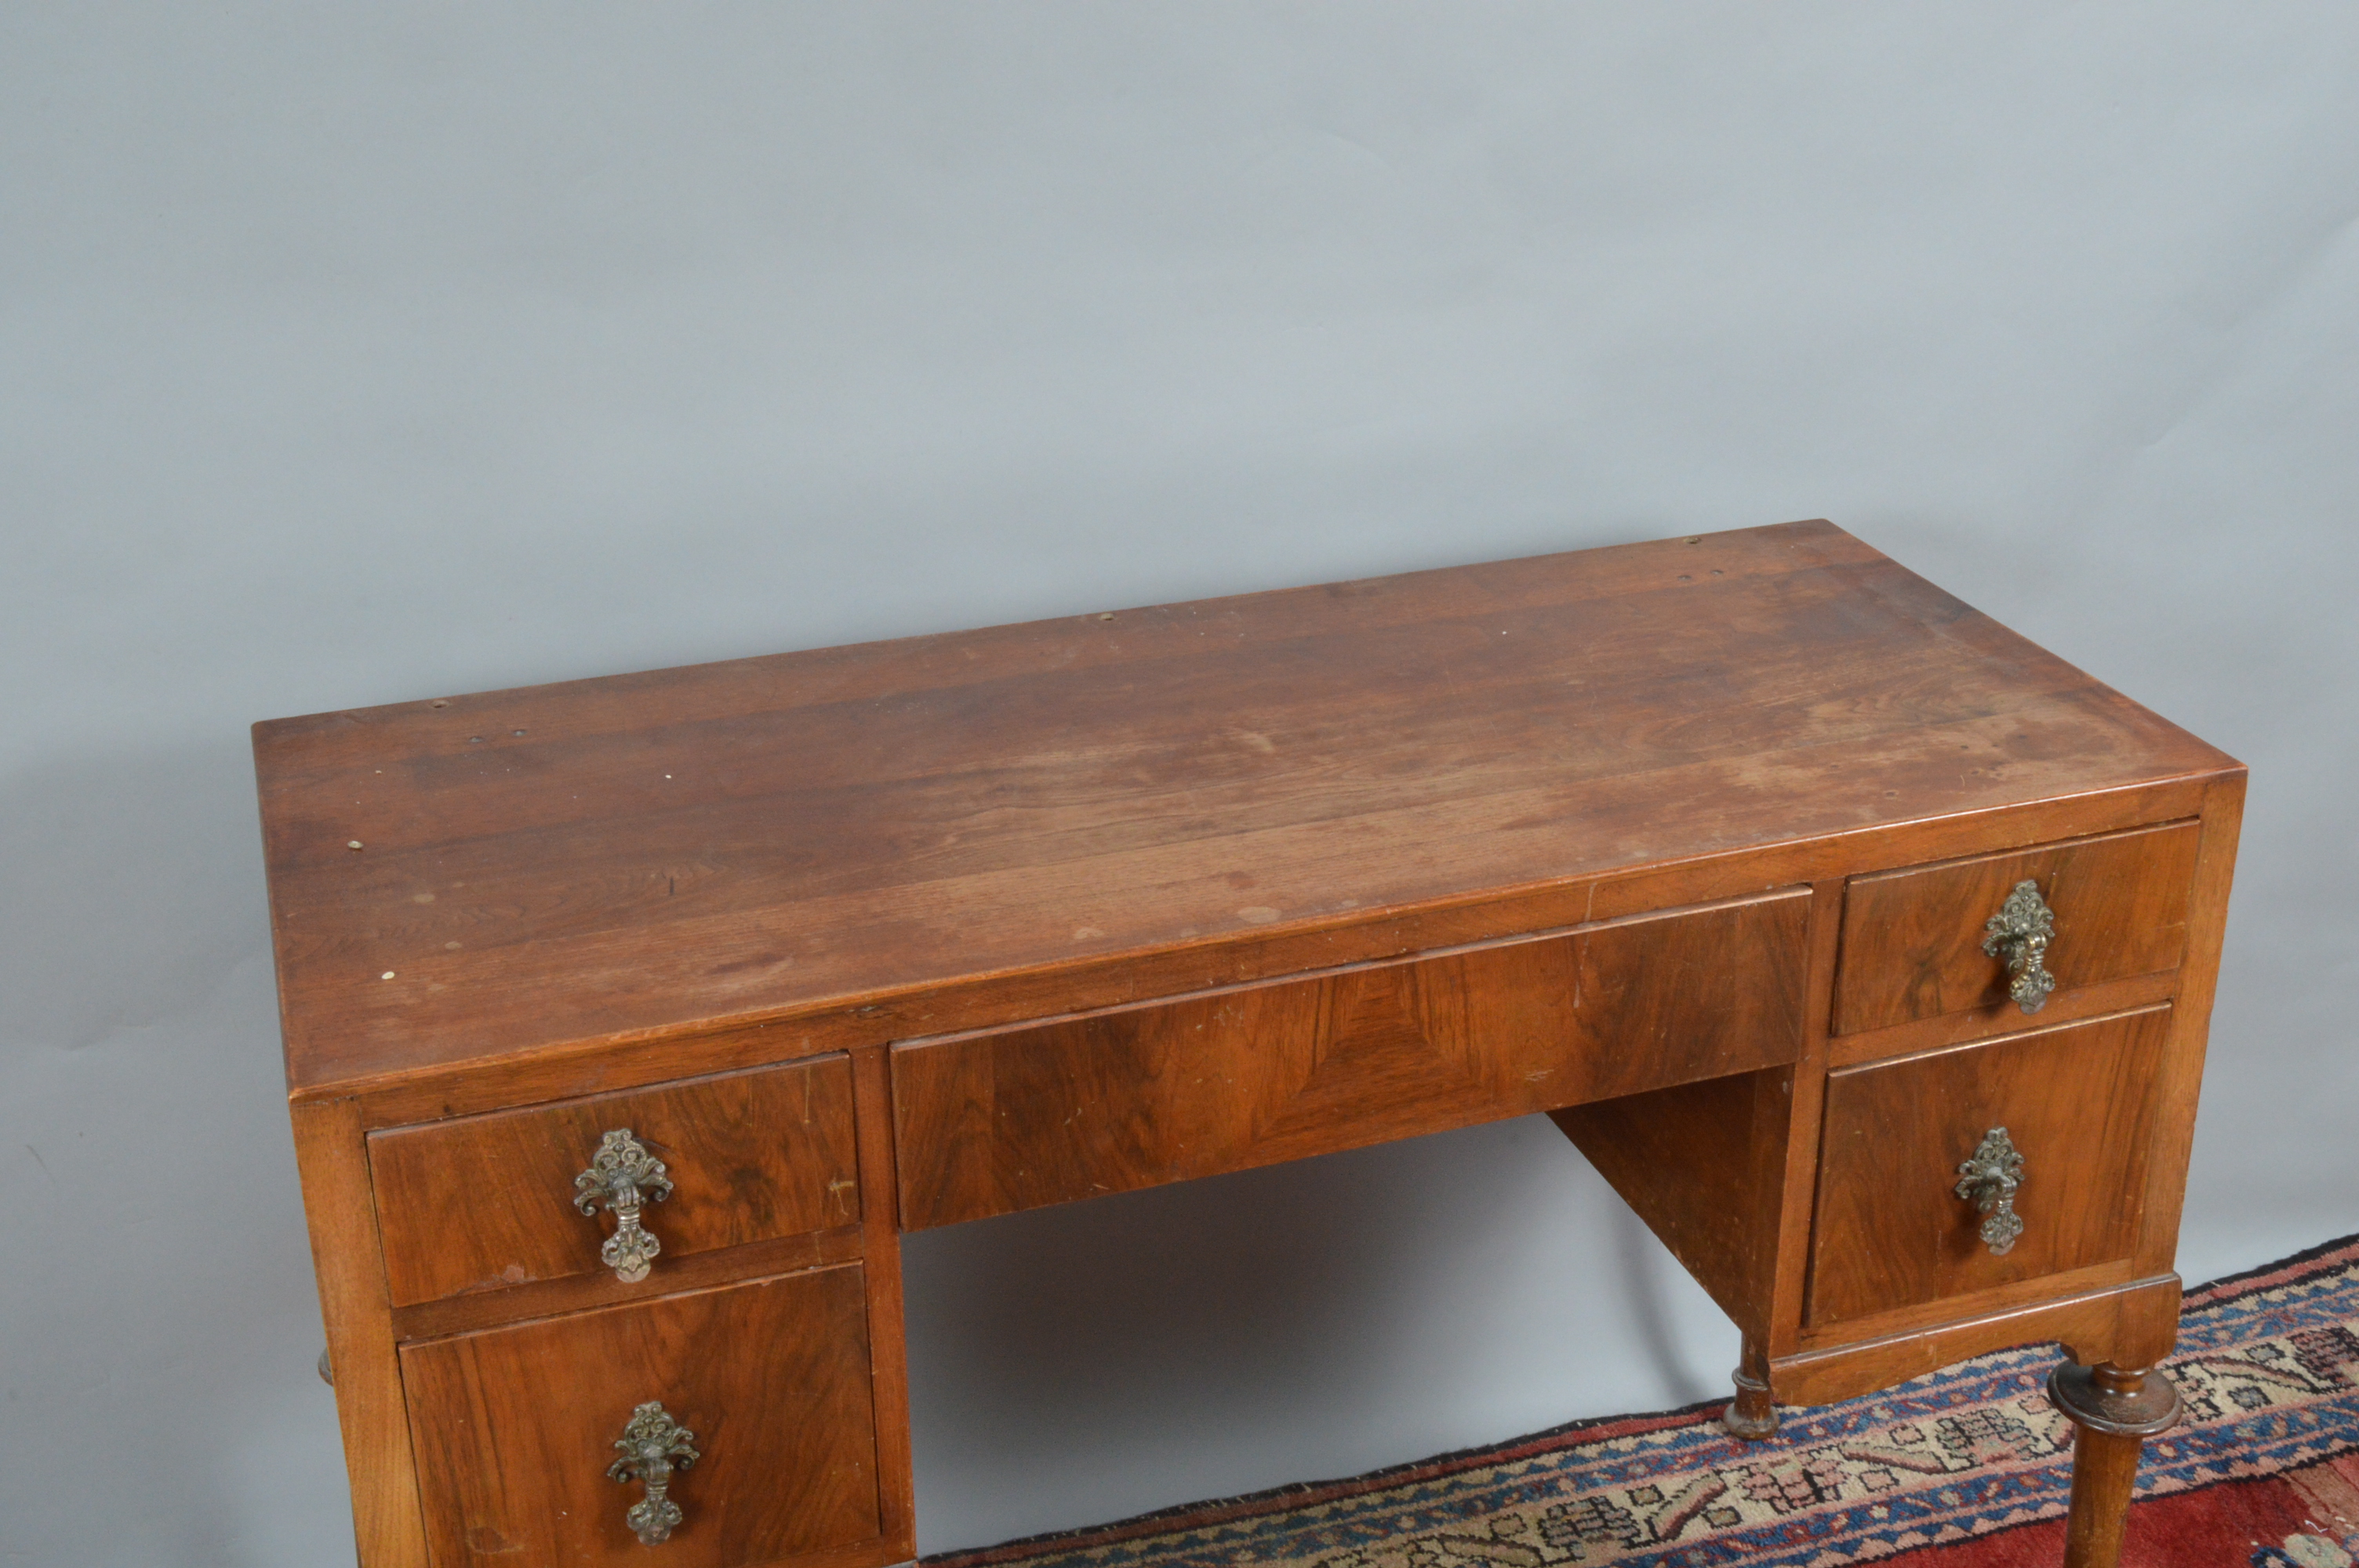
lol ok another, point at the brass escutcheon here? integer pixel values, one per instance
(2019, 933)
(653, 1445)
(1989, 1181)
(622, 1176)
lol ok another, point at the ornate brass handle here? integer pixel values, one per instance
(653, 1446)
(2019, 933)
(1989, 1182)
(621, 1177)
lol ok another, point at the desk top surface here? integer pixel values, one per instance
(655, 853)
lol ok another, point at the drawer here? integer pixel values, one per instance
(1912, 940)
(481, 1202)
(514, 1428)
(2078, 1104)
(997, 1121)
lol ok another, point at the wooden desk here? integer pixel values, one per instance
(1694, 845)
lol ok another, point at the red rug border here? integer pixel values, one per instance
(1301, 1494)
(2269, 1276)
(1304, 1493)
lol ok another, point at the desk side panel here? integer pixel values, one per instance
(2180, 1076)
(388, 1529)
(1702, 1164)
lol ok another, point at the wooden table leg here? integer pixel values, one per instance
(2117, 1410)
(1750, 1415)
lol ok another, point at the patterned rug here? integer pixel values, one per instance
(1969, 1467)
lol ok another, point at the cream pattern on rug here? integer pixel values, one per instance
(2267, 1363)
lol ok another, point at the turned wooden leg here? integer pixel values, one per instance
(1750, 1415)
(2117, 1410)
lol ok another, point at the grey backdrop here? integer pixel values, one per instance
(349, 355)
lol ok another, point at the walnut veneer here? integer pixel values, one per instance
(1690, 845)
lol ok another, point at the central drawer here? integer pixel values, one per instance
(995, 1120)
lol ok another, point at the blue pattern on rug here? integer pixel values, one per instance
(2267, 1366)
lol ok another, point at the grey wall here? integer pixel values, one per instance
(352, 354)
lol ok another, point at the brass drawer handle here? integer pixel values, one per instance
(653, 1446)
(1989, 1182)
(2019, 933)
(621, 1177)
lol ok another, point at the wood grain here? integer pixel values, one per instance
(2090, 1323)
(2144, 1330)
(1912, 939)
(993, 1122)
(1803, 1121)
(777, 836)
(2078, 1103)
(515, 1428)
(2115, 1409)
(1920, 1036)
(484, 1202)
(2104, 1471)
(1703, 1166)
(579, 1292)
(1982, 1301)
(2179, 1078)
(887, 1343)
(330, 1154)
(431, 1090)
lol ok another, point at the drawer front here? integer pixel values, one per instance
(515, 1428)
(481, 1202)
(1912, 940)
(2078, 1104)
(1007, 1119)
